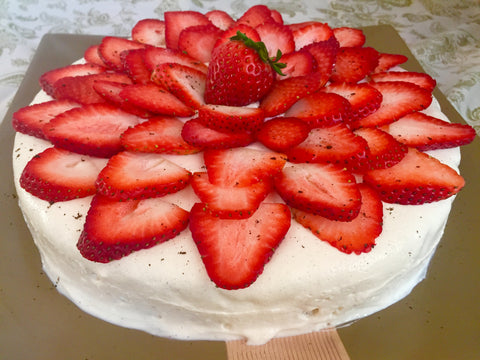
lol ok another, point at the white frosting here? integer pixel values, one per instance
(307, 286)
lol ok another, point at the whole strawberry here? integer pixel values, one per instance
(240, 72)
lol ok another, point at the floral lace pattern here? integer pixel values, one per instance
(443, 35)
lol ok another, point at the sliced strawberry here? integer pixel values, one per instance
(276, 37)
(321, 109)
(199, 135)
(426, 132)
(48, 79)
(186, 83)
(417, 179)
(232, 31)
(235, 251)
(282, 133)
(348, 36)
(31, 119)
(114, 229)
(363, 98)
(310, 33)
(322, 189)
(158, 135)
(421, 79)
(299, 63)
(91, 130)
(300, 25)
(155, 99)
(111, 47)
(220, 19)
(276, 16)
(255, 16)
(399, 98)
(134, 65)
(134, 175)
(177, 21)
(155, 56)
(242, 166)
(229, 202)
(198, 41)
(354, 64)
(325, 55)
(231, 118)
(60, 175)
(110, 91)
(91, 56)
(80, 88)
(384, 150)
(387, 61)
(356, 236)
(335, 144)
(149, 32)
(285, 93)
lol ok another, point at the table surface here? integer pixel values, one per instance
(443, 38)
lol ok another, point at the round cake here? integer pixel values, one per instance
(203, 269)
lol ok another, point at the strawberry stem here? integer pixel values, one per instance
(262, 51)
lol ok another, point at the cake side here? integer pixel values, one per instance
(308, 285)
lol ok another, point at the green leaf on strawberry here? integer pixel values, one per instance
(260, 47)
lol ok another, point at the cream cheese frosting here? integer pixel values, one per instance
(307, 286)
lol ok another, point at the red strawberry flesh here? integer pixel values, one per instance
(356, 236)
(235, 252)
(114, 229)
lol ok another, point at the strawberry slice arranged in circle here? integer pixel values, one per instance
(284, 94)
(81, 88)
(321, 109)
(177, 21)
(61, 175)
(356, 236)
(335, 144)
(114, 229)
(363, 98)
(328, 190)
(31, 120)
(426, 132)
(229, 202)
(91, 130)
(155, 99)
(160, 134)
(199, 135)
(49, 78)
(417, 179)
(235, 252)
(242, 166)
(348, 37)
(134, 175)
(198, 41)
(354, 64)
(111, 48)
(231, 118)
(149, 32)
(186, 83)
(384, 150)
(282, 133)
(423, 80)
(399, 98)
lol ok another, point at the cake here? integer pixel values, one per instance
(227, 145)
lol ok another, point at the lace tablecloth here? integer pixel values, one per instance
(443, 35)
